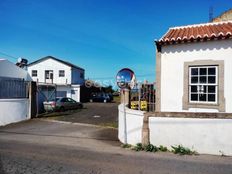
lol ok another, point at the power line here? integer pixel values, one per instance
(8, 55)
(106, 78)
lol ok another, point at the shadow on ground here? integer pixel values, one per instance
(108, 134)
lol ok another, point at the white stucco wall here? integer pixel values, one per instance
(9, 69)
(172, 69)
(134, 123)
(51, 64)
(76, 92)
(206, 136)
(68, 89)
(13, 110)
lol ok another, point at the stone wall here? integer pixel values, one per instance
(224, 16)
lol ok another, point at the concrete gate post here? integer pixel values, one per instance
(145, 130)
(125, 94)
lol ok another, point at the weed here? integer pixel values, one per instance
(182, 150)
(150, 148)
(126, 146)
(111, 125)
(222, 153)
(138, 147)
(162, 148)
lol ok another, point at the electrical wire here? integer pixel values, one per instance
(8, 55)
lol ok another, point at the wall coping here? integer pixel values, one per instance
(218, 115)
(12, 100)
(130, 111)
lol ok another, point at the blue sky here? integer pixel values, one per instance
(102, 36)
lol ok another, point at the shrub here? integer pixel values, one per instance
(162, 148)
(138, 147)
(182, 150)
(150, 148)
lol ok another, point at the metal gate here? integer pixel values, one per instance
(45, 92)
(143, 97)
(13, 88)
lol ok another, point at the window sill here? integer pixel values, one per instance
(204, 106)
(201, 103)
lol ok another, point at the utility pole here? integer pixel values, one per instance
(210, 13)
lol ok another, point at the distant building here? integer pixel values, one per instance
(226, 16)
(65, 76)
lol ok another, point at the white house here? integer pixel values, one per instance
(194, 67)
(14, 88)
(67, 77)
(193, 92)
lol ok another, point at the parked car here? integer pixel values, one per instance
(101, 97)
(62, 104)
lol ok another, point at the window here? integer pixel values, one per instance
(34, 73)
(203, 84)
(64, 100)
(61, 73)
(48, 74)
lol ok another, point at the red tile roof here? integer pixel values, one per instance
(200, 32)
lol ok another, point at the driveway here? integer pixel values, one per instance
(105, 114)
(50, 147)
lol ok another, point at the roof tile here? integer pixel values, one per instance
(200, 32)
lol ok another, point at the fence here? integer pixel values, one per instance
(143, 98)
(12, 88)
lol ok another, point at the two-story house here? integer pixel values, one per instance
(67, 77)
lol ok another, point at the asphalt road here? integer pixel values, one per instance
(92, 113)
(45, 147)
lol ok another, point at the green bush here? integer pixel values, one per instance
(182, 150)
(150, 148)
(138, 147)
(162, 148)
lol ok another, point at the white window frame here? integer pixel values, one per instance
(49, 74)
(200, 86)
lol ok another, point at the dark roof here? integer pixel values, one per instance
(200, 32)
(61, 61)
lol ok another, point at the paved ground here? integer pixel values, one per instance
(46, 147)
(93, 113)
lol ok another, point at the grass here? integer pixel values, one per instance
(112, 125)
(117, 99)
(126, 146)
